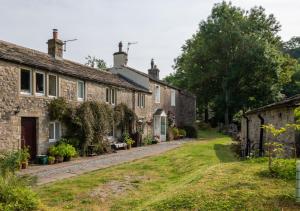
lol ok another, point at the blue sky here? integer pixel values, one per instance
(159, 26)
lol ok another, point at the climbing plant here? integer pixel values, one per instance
(124, 118)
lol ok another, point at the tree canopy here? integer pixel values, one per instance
(95, 62)
(234, 61)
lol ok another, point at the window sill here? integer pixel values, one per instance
(52, 140)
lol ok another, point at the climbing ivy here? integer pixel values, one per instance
(124, 118)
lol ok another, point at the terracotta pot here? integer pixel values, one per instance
(50, 162)
(59, 159)
(24, 165)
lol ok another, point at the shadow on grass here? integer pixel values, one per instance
(224, 153)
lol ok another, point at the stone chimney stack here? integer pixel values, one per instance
(153, 72)
(120, 57)
(55, 46)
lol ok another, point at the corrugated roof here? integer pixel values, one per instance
(33, 58)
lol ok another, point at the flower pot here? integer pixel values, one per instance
(50, 162)
(129, 146)
(67, 159)
(24, 164)
(59, 159)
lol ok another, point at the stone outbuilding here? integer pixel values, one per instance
(253, 137)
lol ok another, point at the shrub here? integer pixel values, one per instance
(62, 150)
(175, 132)
(10, 161)
(191, 131)
(15, 195)
(147, 140)
(58, 109)
(284, 168)
(182, 132)
(170, 135)
(127, 139)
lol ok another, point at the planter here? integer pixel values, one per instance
(128, 146)
(42, 159)
(24, 165)
(67, 159)
(59, 159)
(50, 162)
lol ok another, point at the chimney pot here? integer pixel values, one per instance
(55, 34)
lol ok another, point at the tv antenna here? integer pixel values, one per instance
(129, 44)
(65, 43)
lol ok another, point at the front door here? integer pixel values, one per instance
(160, 127)
(28, 135)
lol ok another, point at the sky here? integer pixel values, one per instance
(160, 27)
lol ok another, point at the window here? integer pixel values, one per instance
(157, 94)
(40, 83)
(141, 100)
(80, 90)
(54, 131)
(26, 82)
(111, 96)
(173, 97)
(52, 85)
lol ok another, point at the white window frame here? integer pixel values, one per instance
(113, 96)
(54, 128)
(173, 97)
(30, 83)
(56, 83)
(80, 98)
(107, 95)
(141, 100)
(157, 95)
(44, 80)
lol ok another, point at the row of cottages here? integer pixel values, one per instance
(253, 137)
(30, 79)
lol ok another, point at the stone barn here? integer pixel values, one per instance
(253, 137)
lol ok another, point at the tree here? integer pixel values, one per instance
(95, 62)
(234, 61)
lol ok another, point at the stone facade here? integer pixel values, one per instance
(278, 116)
(16, 105)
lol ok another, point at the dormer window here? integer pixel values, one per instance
(26, 81)
(40, 83)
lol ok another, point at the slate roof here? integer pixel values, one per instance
(36, 59)
(288, 102)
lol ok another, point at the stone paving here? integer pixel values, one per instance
(51, 173)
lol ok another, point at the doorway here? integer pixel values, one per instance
(28, 135)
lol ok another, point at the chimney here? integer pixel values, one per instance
(153, 72)
(120, 57)
(55, 46)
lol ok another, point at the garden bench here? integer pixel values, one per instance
(119, 146)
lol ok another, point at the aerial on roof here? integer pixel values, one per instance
(291, 101)
(33, 58)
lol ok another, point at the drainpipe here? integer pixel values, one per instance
(248, 148)
(261, 136)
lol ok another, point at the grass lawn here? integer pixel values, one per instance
(200, 175)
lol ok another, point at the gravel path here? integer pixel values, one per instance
(51, 173)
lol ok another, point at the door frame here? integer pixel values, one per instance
(34, 143)
(157, 125)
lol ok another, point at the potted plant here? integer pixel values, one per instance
(156, 139)
(24, 157)
(56, 152)
(69, 152)
(60, 153)
(51, 160)
(128, 140)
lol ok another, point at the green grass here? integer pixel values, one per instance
(200, 175)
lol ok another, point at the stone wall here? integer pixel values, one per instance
(279, 117)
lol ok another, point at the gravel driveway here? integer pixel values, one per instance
(51, 173)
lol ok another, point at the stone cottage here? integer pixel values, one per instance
(279, 114)
(30, 79)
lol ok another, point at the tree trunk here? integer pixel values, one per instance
(226, 114)
(206, 114)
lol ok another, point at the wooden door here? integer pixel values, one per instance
(28, 135)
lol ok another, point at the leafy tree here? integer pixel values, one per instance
(95, 62)
(234, 61)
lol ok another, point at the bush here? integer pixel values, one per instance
(10, 161)
(182, 132)
(15, 195)
(175, 132)
(170, 135)
(191, 131)
(147, 140)
(284, 168)
(62, 150)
